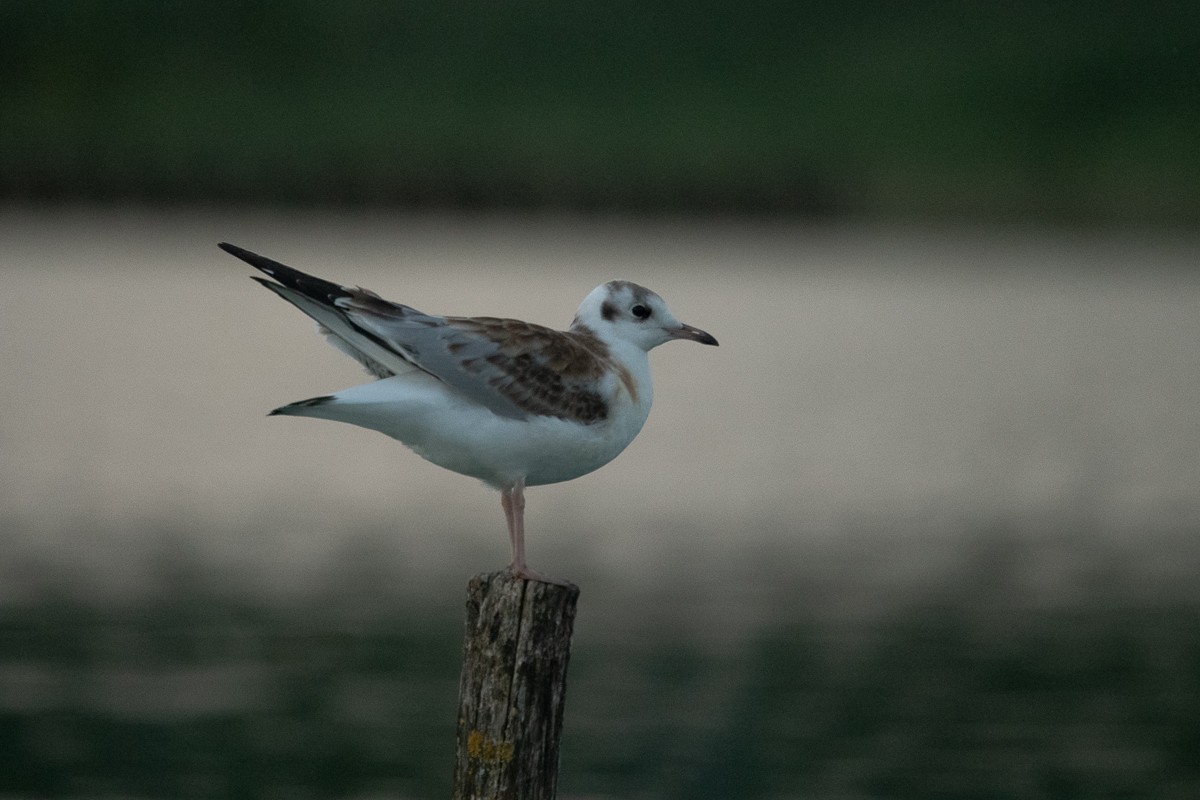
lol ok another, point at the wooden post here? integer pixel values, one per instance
(513, 685)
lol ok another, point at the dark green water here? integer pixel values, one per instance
(837, 678)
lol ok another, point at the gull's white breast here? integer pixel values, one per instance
(446, 428)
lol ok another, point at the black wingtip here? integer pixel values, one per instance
(294, 408)
(290, 277)
(239, 252)
(253, 259)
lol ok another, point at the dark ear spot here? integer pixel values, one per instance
(608, 311)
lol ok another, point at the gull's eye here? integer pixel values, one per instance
(640, 311)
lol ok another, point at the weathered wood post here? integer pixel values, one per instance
(513, 686)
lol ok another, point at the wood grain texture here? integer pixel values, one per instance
(511, 694)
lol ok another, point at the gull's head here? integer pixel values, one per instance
(625, 312)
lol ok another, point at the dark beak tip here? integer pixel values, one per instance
(694, 334)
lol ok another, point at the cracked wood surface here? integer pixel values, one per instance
(511, 694)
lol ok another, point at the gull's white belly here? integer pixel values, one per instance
(452, 432)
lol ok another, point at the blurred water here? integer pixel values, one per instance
(925, 521)
(928, 380)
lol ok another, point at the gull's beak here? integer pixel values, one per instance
(694, 334)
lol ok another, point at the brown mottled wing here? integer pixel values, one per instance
(542, 371)
(516, 369)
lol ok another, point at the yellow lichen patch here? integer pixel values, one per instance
(482, 748)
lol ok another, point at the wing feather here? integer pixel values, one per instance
(515, 369)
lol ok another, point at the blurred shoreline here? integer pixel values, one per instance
(878, 380)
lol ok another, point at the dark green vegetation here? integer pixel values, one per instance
(1082, 111)
(974, 683)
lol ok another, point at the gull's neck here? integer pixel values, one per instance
(623, 354)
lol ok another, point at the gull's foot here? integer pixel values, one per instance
(525, 573)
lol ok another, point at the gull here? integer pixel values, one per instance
(510, 403)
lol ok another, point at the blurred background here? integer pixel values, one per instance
(925, 525)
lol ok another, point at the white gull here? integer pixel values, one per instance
(508, 402)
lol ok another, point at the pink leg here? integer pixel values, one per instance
(506, 502)
(512, 500)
